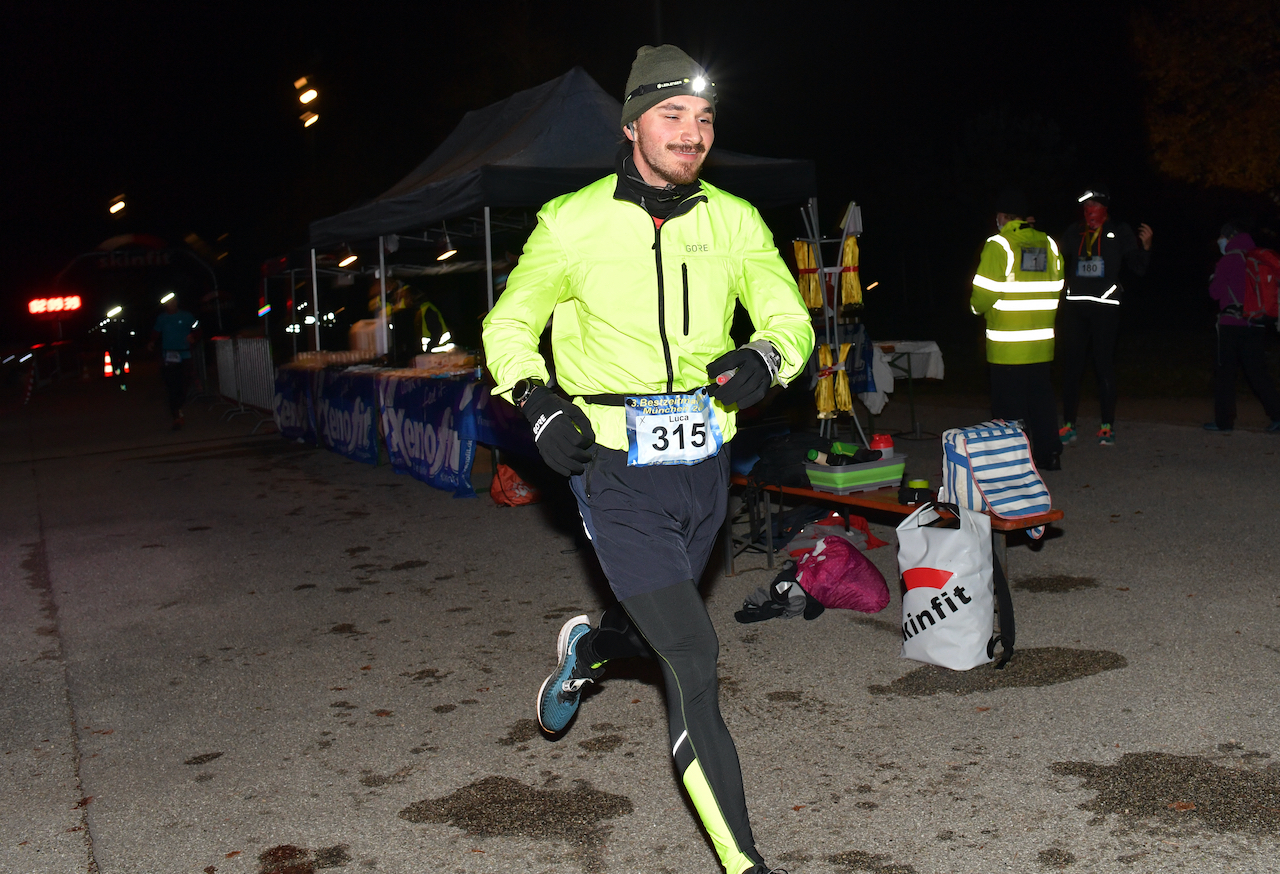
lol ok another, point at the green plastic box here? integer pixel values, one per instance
(856, 477)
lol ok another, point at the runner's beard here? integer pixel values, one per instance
(669, 168)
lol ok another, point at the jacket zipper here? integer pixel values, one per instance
(662, 309)
(684, 273)
(683, 209)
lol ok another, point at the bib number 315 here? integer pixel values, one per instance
(671, 429)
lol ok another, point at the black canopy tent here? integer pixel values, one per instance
(523, 151)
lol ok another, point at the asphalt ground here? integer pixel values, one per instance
(231, 653)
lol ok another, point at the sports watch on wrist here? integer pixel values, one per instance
(523, 388)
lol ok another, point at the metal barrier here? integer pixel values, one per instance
(225, 352)
(246, 377)
(256, 375)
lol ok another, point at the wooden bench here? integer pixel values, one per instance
(877, 500)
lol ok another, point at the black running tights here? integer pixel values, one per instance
(673, 624)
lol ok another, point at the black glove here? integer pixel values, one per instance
(747, 386)
(561, 431)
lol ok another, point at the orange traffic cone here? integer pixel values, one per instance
(107, 369)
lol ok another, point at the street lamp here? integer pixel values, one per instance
(114, 311)
(306, 96)
(117, 205)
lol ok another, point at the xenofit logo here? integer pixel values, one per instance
(346, 429)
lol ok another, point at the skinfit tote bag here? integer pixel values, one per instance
(949, 603)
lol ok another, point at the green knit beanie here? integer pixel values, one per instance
(658, 73)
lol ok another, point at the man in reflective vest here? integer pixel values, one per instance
(1016, 289)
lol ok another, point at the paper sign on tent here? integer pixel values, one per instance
(926, 578)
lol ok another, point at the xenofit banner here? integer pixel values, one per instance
(422, 419)
(344, 415)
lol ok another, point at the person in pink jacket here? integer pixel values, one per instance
(1241, 342)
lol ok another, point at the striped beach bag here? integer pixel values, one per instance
(989, 467)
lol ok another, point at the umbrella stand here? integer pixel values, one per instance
(829, 280)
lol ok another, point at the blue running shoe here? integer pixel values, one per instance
(558, 698)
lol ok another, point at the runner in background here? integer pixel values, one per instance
(175, 331)
(1095, 248)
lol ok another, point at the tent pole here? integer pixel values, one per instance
(293, 309)
(488, 254)
(315, 300)
(382, 278)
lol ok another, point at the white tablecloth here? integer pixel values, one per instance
(891, 359)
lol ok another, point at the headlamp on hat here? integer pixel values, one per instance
(697, 85)
(659, 71)
(1096, 193)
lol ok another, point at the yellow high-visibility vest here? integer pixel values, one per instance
(1016, 288)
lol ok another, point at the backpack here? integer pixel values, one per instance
(989, 467)
(1262, 277)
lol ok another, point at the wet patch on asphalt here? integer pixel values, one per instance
(408, 565)
(606, 743)
(1054, 857)
(1181, 792)
(372, 780)
(1040, 666)
(1055, 583)
(202, 759)
(503, 807)
(288, 859)
(872, 863)
(430, 676)
(520, 731)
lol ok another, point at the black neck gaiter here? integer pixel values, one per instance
(658, 202)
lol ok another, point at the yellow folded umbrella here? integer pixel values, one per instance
(809, 283)
(850, 284)
(843, 399)
(824, 395)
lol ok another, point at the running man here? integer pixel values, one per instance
(175, 331)
(640, 273)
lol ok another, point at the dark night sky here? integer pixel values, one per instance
(910, 109)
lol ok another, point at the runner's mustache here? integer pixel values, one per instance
(693, 147)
